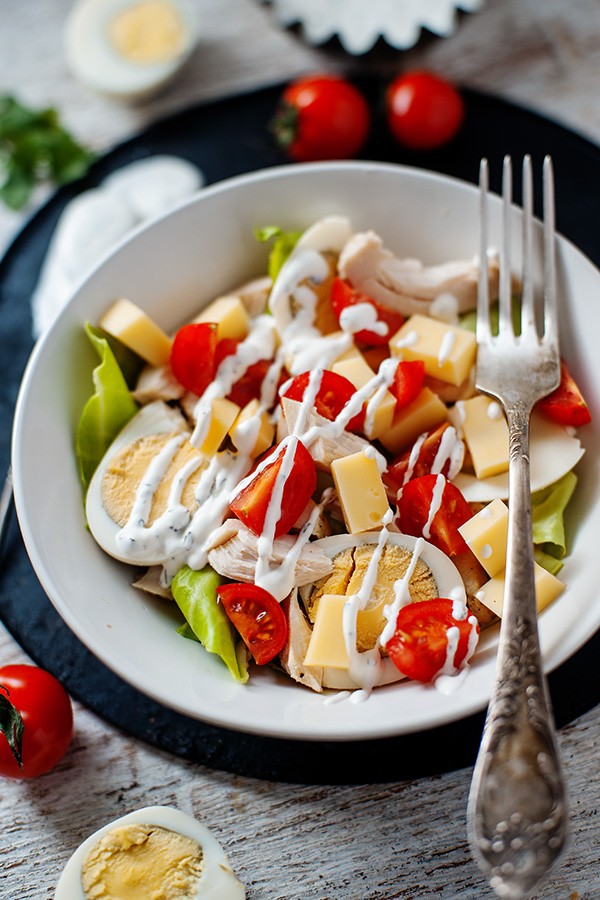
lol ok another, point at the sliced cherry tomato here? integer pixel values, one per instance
(250, 384)
(419, 647)
(395, 474)
(344, 295)
(424, 111)
(252, 502)
(321, 117)
(408, 381)
(193, 355)
(333, 394)
(566, 405)
(36, 721)
(225, 347)
(258, 617)
(416, 503)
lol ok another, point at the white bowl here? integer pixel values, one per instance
(170, 268)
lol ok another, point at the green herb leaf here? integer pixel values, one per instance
(11, 724)
(34, 147)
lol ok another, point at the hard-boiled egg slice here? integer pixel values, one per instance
(445, 574)
(554, 452)
(125, 844)
(108, 503)
(129, 48)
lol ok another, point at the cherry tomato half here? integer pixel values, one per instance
(415, 504)
(46, 716)
(419, 646)
(566, 405)
(344, 295)
(321, 117)
(258, 617)
(395, 474)
(408, 381)
(193, 355)
(424, 111)
(333, 394)
(252, 502)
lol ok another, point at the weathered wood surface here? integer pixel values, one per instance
(402, 840)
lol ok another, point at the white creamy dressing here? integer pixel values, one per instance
(446, 347)
(362, 317)
(434, 506)
(452, 452)
(494, 411)
(186, 539)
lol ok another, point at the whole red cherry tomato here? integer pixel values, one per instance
(258, 617)
(36, 721)
(424, 111)
(321, 117)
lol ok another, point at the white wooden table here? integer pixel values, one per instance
(404, 839)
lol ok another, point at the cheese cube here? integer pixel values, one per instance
(486, 534)
(262, 426)
(360, 490)
(327, 646)
(547, 588)
(231, 316)
(486, 434)
(359, 372)
(447, 351)
(426, 411)
(127, 322)
(352, 353)
(223, 415)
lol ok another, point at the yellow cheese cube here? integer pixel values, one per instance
(486, 434)
(360, 490)
(223, 415)
(263, 427)
(447, 351)
(127, 322)
(547, 588)
(352, 353)
(230, 315)
(359, 372)
(327, 646)
(486, 535)
(426, 411)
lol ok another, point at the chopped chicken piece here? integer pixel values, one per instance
(407, 285)
(151, 582)
(255, 294)
(157, 383)
(234, 555)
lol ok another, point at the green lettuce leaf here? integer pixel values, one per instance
(547, 512)
(550, 563)
(283, 244)
(195, 593)
(106, 412)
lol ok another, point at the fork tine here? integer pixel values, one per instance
(505, 297)
(527, 302)
(483, 299)
(550, 302)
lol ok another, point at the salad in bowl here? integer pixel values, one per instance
(293, 493)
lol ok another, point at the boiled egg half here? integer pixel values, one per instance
(145, 854)
(129, 48)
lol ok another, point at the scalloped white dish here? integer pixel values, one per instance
(358, 25)
(170, 268)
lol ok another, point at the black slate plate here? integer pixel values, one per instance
(227, 138)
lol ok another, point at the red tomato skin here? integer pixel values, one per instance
(419, 645)
(331, 116)
(414, 502)
(424, 111)
(193, 355)
(251, 504)
(344, 295)
(258, 617)
(566, 405)
(333, 394)
(408, 382)
(47, 716)
(396, 472)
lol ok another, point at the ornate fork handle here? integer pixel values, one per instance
(518, 805)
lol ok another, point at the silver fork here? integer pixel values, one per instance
(517, 812)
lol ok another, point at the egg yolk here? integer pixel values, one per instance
(148, 32)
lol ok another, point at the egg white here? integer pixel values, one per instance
(97, 64)
(155, 418)
(446, 575)
(217, 881)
